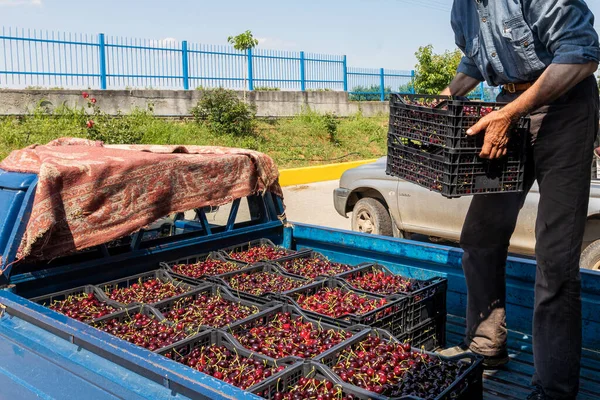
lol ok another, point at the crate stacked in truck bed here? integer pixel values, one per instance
(212, 312)
(428, 145)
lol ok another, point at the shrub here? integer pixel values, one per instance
(119, 129)
(223, 112)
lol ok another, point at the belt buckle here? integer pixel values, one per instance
(510, 87)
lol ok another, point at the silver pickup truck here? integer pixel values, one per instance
(385, 205)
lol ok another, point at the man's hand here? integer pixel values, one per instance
(496, 126)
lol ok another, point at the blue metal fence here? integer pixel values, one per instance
(30, 58)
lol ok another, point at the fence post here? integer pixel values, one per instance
(302, 73)
(250, 71)
(345, 74)
(184, 63)
(102, 59)
(481, 89)
(382, 79)
(412, 81)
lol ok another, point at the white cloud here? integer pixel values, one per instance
(20, 2)
(276, 44)
(162, 42)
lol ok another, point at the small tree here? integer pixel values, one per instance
(434, 72)
(243, 42)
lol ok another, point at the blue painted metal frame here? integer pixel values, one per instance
(14, 240)
(124, 62)
(102, 53)
(184, 64)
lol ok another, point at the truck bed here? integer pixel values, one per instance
(513, 381)
(51, 356)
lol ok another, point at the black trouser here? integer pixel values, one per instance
(559, 157)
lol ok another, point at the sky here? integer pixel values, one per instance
(372, 33)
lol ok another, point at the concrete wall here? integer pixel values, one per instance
(179, 102)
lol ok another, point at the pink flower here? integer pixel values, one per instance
(93, 101)
(90, 124)
(85, 95)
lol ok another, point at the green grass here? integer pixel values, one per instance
(292, 142)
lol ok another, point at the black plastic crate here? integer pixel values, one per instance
(168, 266)
(129, 314)
(429, 146)
(209, 289)
(308, 254)
(468, 386)
(162, 275)
(264, 317)
(229, 251)
(291, 376)
(263, 298)
(442, 121)
(179, 350)
(429, 335)
(48, 300)
(392, 316)
(427, 300)
(454, 174)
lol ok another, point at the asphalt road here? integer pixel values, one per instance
(313, 204)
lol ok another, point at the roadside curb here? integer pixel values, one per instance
(320, 173)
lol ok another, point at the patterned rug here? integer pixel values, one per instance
(90, 193)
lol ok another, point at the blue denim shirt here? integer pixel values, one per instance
(508, 41)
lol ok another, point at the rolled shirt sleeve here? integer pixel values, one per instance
(468, 67)
(566, 28)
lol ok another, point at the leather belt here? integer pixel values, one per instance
(517, 87)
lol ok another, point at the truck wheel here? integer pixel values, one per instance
(590, 257)
(371, 216)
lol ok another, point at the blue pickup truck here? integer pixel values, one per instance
(44, 354)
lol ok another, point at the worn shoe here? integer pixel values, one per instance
(489, 362)
(538, 394)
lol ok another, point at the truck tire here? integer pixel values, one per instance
(590, 257)
(370, 216)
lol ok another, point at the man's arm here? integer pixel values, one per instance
(461, 85)
(566, 28)
(556, 80)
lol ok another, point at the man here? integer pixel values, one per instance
(544, 54)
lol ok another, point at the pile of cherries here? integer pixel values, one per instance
(380, 283)
(259, 283)
(228, 366)
(337, 303)
(395, 370)
(209, 267)
(144, 331)
(208, 310)
(82, 307)
(259, 253)
(148, 292)
(284, 335)
(314, 267)
(313, 389)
